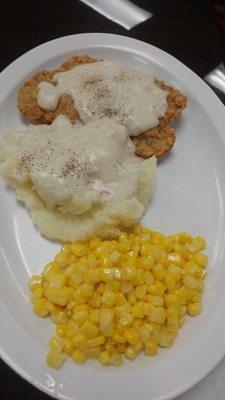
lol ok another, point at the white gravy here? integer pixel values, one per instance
(95, 161)
(105, 89)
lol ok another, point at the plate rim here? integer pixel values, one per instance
(217, 108)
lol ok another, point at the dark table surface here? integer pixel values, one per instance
(190, 30)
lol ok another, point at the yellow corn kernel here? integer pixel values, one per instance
(57, 280)
(59, 316)
(68, 347)
(131, 297)
(137, 323)
(106, 318)
(94, 243)
(95, 300)
(105, 262)
(116, 359)
(121, 348)
(66, 248)
(198, 244)
(40, 307)
(81, 267)
(97, 341)
(139, 279)
(131, 335)
(36, 294)
(196, 297)
(61, 330)
(194, 309)
(79, 356)
(201, 273)
(61, 260)
(201, 259)
(114, 257)
(112, 286)
(110, 347)
(120, 311)
(157, 238)
(158, 271)
(182, 293)
(148, 278)
(128, 273)
(109, 299)
(34, 282)
(77, 297)
(55, 358)
(120, 299)
(191, 268)
(94, 351)
(171, 330)
(157, 315)
(89, 329)
(86, 290)
(49, 269)
(166, 340)
(156, 301)
(182, 310)
(176, 259)
(151, 348)
(201, 286)
(181, 321)
(179, 248)
(144, 334)
(80, 341)
(94, 316)
(190, 282)
(109, 331)
(119, 338)
(184, 238)
(168, 243)
(175, 271)
(158, 288)
(125, 320)
(147, 262)
(172, 300)
(58, 296)
(92, 262)
(92, 276)
(80, 316)
(126, 287)
(170, 281)
(79, 249)
(106, 274)
(138, 310)
(56, 343)
(147, 304)
(130, 353)
(172, 315)
(104, 358)
(141, 291)
(72, 330)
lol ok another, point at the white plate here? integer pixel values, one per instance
(189, 196)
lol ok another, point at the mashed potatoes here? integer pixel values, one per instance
(78, 181)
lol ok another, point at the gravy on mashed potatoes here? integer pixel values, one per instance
(78, 181)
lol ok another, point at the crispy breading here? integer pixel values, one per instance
(27, 95)
(156, 141)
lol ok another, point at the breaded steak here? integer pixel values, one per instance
(156, 141)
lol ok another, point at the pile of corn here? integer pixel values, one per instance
(118, 297)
